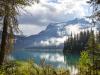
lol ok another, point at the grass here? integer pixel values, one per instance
(30, 68)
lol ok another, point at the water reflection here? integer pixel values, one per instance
(71, 62)
(72, 59)
(55, 58)
(51, 57)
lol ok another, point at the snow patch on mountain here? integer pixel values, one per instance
(55, 34)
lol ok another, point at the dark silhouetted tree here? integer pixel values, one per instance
(9, 11)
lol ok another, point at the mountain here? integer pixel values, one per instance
(53, 36)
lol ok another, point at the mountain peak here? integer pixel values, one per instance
(78, 20)
(55, 34)
(81, 21)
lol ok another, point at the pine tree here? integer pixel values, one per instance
(93, 48)
(77, 43)
(9, 11)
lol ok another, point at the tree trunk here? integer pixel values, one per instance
(3, 40)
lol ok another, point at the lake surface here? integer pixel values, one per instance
(54, 57)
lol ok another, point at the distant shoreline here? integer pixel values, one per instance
(41, 50)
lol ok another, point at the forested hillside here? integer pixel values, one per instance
(87, 44)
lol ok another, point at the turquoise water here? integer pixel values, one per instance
(53, 57)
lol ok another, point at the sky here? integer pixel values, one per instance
(36, 18)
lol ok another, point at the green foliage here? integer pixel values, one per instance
(89, 62)
(30, 68)
(84, 63)
(84, 59)
(87, 44)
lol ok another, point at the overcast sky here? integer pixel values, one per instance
(38, 16)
